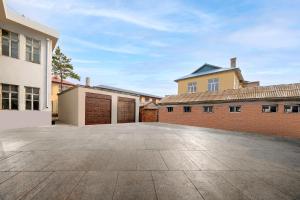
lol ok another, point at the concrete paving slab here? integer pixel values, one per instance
(58, 186)
(178, 160)
(174, 185)
(252, 186)
(150, 160)
(146, 161)
(214, 187)
(95, 185)
(134, 185)
(20, 184)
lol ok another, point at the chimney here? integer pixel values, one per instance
(233, 62)
(87, 82)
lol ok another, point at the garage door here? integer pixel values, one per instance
(97, 109)
(126, 110)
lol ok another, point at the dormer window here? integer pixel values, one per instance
(192, 87)
(213, 85)
(10, 44)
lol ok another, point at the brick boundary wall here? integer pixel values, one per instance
(149, 115)
(250, 119)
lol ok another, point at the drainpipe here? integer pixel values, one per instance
(46, 77)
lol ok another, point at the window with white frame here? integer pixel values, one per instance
(10, 44)
(33, 50)
(234, 109)
(213, 85)
(208, 109)
(269, 108)
(32, 98)
(10, 99)
(292, 108)
(192, 87)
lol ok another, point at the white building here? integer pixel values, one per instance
(25, 70)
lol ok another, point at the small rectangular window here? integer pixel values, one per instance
(207, 109)
(10, 99)
(192, 87)
(269, 108)
(32, 98)
(187, 109)
(235, 108)
(170, 109)
(10, 44)
(292, 108)
(33, 50)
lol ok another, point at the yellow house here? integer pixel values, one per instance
(55, 90)
(213, 78)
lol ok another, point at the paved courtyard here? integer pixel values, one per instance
(146, 161)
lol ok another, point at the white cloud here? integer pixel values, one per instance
(85, 61)
(127, 49)
(266, 37)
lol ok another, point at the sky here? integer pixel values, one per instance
(144, 45)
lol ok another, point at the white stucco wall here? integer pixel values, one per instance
(27, 74)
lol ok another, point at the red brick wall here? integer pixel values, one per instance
(149, 115)
(250, 119)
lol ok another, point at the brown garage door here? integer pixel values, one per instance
(97, 109)
(126, 110)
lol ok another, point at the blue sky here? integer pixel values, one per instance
(144, 45)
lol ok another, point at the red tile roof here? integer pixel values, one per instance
(56, 79)
(273, 92)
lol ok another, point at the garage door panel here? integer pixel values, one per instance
(97, 109)
(126, 110)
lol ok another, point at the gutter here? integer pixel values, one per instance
(232, 101)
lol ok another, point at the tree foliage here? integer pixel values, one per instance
(62, 67)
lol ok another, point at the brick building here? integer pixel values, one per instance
(269, 109)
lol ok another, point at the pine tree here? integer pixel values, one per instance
(62, 67)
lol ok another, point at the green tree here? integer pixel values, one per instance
(62, 67)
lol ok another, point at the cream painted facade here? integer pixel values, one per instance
(227, 80)
(55, 89)
(71, 106)
(144, 99)
(22, 73)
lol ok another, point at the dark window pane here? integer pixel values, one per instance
(5, 95)
(238, 109)
(36, 91)
(28, 41)
(28, 105)
(14, 88)
(28, 97)
(28, 90)
(5, 47)
(14, 104)
(14, 49)
(273, 108)
(14, 95)
(5, 104)
(231, 109)
(36, 57)
(36, 105)
(36, 97)
(5, 33)
(295, 109)
(5, 87)
(28, 53)
(14, 36)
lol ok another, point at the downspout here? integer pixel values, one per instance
(46, 78)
